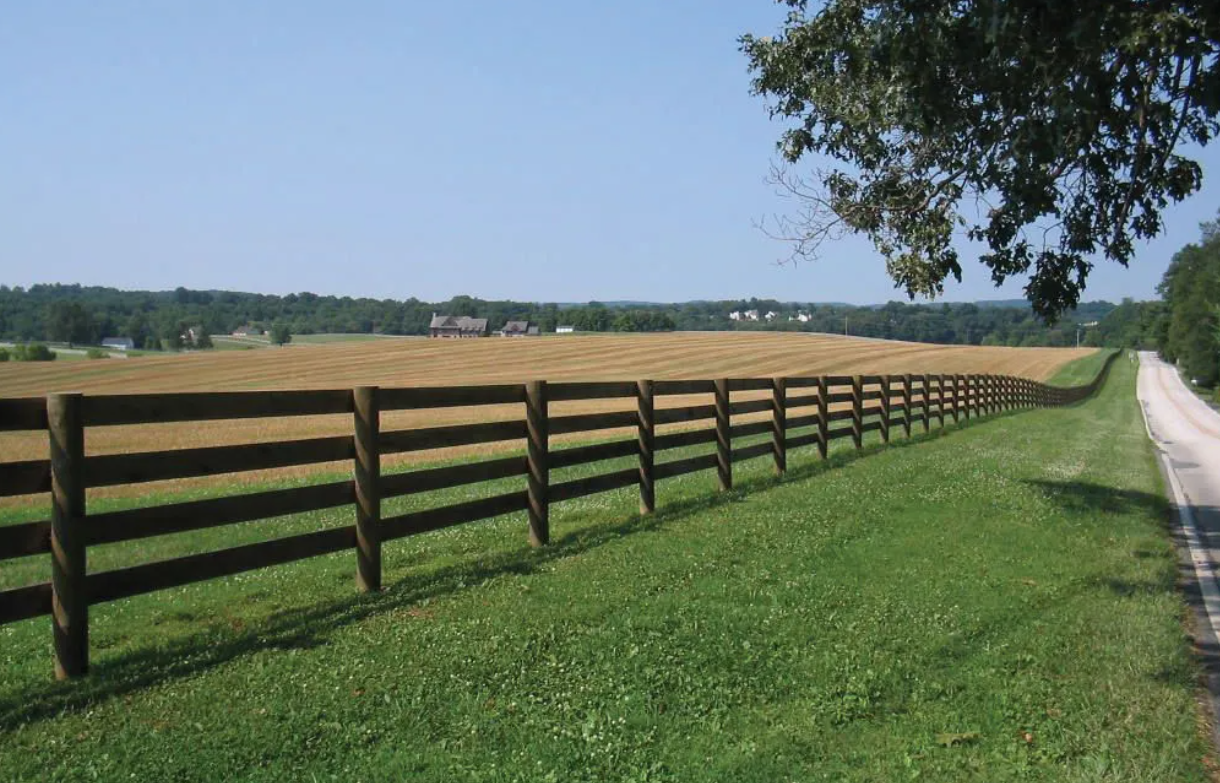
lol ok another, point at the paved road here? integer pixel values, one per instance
(1187, 434)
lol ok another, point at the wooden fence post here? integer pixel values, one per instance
(823, 425)
(366, 407)
(724, 442)
(927, 403)
(885, 409)
(857, 411)
(69, 601)
(537, 446)
(957, 397)
(906, 404)
(779, 424)
(645, 434)
(940, 395)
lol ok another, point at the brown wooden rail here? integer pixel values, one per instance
(832, 407)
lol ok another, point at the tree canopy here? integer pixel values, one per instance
(1049, 131)
(1191, 290)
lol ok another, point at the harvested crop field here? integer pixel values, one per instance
(407, 362)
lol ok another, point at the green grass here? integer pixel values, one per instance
(1081, 371)
(996, 602)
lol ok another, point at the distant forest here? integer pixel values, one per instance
(156, 319)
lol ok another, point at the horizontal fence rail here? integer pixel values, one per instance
(803, 412)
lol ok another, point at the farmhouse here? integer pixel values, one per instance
(456, 326)
(518, 329)
(119, 343)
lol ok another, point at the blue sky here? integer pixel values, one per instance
(549, 151)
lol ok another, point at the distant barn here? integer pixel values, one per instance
(456, 326)
(518, 329)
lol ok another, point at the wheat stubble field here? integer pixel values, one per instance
(421, 362)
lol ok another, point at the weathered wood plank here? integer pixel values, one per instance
(801, 401)
(420, 397)
(110, 409)
(112, 469)
(796, 422)
(750, 406)
(22, 603)
(27, 538)
(835, 434)
(25, 478)
(588, 422)
(664, 470)
(750, 428)
(452, 435)
(579, 488)
(135, 580)
(749, 384)
(674, 440)
(414, 482)
(137, 523)
(665, 388)
(589, 390)
(582, 455)
(23, 413)
(418, 522)
(687, 413)
(753, 451)
(804, 440)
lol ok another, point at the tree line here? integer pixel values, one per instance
(168, 319)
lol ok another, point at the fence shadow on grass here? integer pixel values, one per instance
(310, 627)
(1078, 497)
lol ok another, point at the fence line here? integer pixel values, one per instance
(844, 407)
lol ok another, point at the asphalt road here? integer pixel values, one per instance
(1186, 433)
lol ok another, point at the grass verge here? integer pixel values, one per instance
(996, 602)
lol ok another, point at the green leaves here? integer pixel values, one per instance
(1047, 130)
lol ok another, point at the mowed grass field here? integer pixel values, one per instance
(407, 362)
(993, 602)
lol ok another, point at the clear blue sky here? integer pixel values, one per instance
(535, 150)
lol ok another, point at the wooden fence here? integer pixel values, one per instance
(827, 407)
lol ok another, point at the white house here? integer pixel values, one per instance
(770, 316)
(802, 317)
(751, 315)
(736, 315)
(564, 329)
